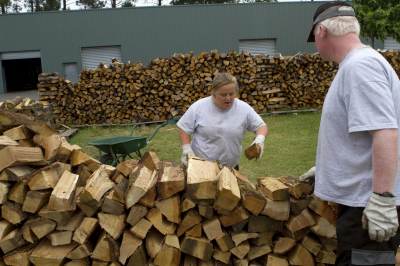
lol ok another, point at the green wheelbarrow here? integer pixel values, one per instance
(116, 148)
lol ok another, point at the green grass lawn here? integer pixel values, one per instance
(290, 147)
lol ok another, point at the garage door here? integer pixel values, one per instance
(93, 56)
(391, 43)
(257, 47)
(20, 55)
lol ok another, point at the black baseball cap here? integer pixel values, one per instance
(329, 10)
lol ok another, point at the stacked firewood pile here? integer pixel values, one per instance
(50, 89)
(35, 110)
(393, 57)
(59, 206)
(166, 87)
(49, 85)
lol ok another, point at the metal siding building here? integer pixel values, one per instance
(146, 33)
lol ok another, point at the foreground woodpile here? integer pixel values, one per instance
(59, 206)
(166, 87)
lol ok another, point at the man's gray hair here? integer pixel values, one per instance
(339, 26)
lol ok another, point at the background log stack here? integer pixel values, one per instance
(166, 87)
(50, 89)
(48, 86)
(59, 206)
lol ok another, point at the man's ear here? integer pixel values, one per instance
(322, 31)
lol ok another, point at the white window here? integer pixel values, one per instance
(93, 56)
(258, 47)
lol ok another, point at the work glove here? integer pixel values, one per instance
(187, 149)
(259, 140)
(380, 218)
(310, 174)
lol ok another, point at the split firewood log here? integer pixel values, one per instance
(14, 156)
(140, 182)
(228, 193)
(97, 185)
(252, 152)
(201, 178)
(63, 196)
(273, 188)
(45, 253)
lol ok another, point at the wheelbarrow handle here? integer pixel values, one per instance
(155, 132)
(130, 135)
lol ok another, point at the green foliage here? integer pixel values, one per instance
(4, 6)
(200, 2)
(378, 18)
(51, 5)
(127, 4)
(290, 147)
(265, 1)
(94, 4)
(33, 5)
(16, 6)
(29, 5)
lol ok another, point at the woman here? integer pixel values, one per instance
(218, 124)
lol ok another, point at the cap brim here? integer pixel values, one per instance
(311, 37)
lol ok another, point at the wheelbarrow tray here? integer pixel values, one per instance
(120, 145)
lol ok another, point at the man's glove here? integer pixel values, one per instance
(310, 174)
(380, 218)
(259, 140)
(187, 149)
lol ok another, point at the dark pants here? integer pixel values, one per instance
(236, 167)
(354, 245)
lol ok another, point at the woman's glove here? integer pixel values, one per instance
(259, 140)
(380, 217)
(310, 173)
(187, 149)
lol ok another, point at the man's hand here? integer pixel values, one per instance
(187, 149)
(310, 174)
(259, 140)
(380, 218)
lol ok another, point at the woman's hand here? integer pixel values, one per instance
(259, 140)
(187, 149)
(261, 134)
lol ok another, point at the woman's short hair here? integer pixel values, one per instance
(224, 79)
(339, 26)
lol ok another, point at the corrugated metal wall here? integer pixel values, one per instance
(146, 33)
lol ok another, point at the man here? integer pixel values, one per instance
(358, 144)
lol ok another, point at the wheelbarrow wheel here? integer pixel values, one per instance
(106, 159)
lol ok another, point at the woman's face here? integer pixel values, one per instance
(225, 96)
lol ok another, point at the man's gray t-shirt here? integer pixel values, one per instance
(364, 95)
(217, 133)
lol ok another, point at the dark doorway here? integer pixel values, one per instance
(22, 74)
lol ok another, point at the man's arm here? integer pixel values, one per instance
(380, 214)
(385, 159)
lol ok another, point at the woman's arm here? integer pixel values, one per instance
(184, 137)
(263, 130)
